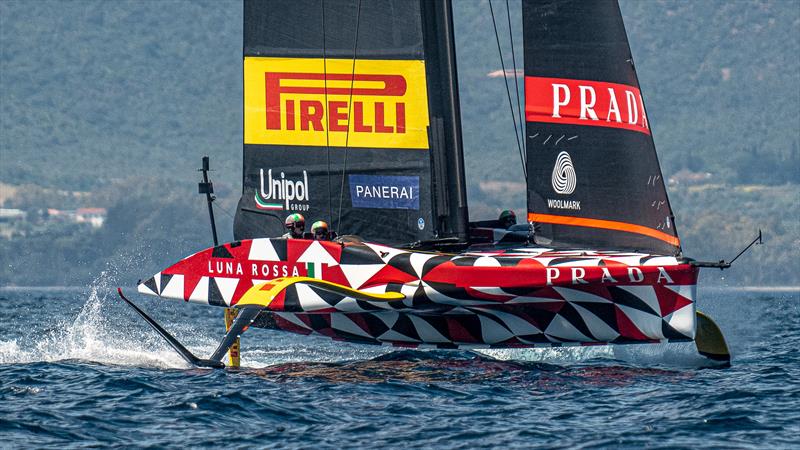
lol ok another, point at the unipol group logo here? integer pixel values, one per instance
(316, 102)
(563, 178)
(281, 193)
(583, 102)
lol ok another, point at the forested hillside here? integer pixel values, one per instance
(94, 91)
(120, 99)
(721, 81)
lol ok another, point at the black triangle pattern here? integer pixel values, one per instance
(279, 245)
(671, 333)
(472, 324)
(151, 284)
(359, 254)
(319, 322)
(571, 315)
(450, 290)
(402, 262)
(625, 298)
(494, 319)
(291, 300)
(394, 287)
(328, 297)
(604, 311)
(375, 326)
(366, 306)
(420, 299)
(214, 294)
(541, 318)
(165, 281)
(438, 323)
(422, 302)
(406, 327)
(221, 252)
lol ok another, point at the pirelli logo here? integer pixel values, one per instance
(382, 104)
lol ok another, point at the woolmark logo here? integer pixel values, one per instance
(563, 178)
(279, 194)
(316, 102)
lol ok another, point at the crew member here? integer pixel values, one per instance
(296, 224)
(507, 219)
(320, 231)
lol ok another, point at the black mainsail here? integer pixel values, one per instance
(593, 174)
(351, 116)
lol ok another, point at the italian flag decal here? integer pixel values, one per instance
(262, 204)
(314, 270)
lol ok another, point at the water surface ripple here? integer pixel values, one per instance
(78, 369)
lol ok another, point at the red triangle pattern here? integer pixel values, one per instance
(669, 300)
(626, 327)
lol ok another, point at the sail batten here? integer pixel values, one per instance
(593, 174)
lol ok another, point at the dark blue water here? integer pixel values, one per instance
(78, 369)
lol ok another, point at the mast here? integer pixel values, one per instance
(446, 143)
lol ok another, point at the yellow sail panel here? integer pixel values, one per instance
(380, 104)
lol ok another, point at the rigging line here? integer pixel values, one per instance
(508, 92)
(349, 114)
(325, 90)
(219, 207)
(516, 85)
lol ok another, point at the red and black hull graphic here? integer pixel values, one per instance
(521, 298)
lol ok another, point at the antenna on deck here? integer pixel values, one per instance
(724, 265)
(207, 187)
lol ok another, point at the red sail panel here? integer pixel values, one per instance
(584, 102)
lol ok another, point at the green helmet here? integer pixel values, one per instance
(507, 218)
(295, 221)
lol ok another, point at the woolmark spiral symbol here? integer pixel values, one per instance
(564, 174)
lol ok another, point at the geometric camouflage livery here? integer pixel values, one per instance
(526, 297)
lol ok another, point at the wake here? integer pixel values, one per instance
(104, 332)
(93, 336)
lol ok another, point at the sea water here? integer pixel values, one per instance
(78, 368)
